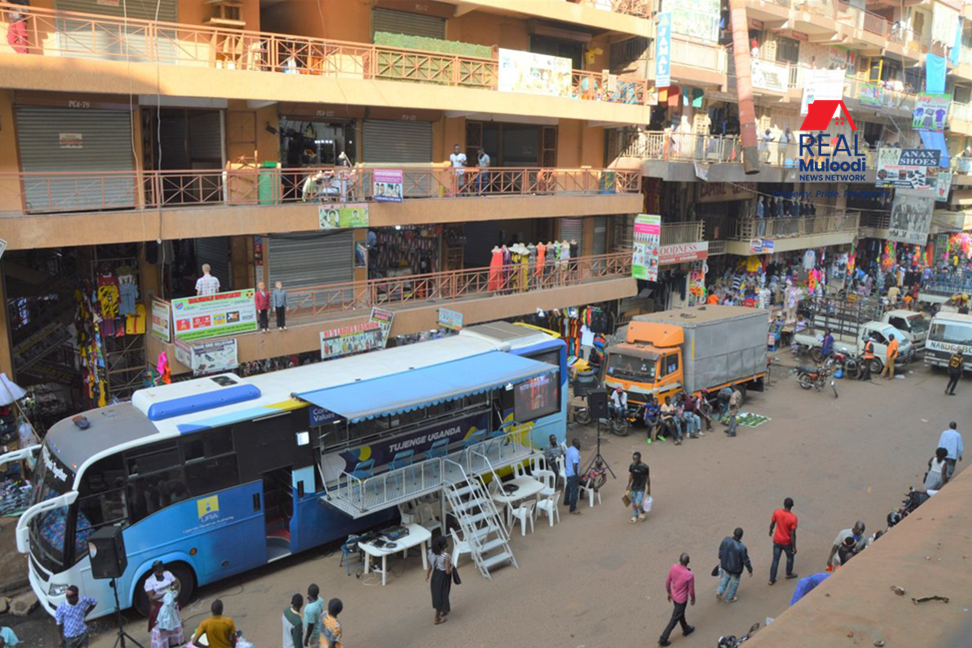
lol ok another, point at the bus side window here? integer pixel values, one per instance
(208, 443)
(153, 492)
(210, 475)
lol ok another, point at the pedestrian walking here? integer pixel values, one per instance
(784, 538)
(867, 359)
(262, 299)
(680, 586)
(937, 475)
(220, 630)
(70, 616)
(639, 486)
(278, 300)
(293, 623)
(735, 402)
(313, 616)
(572, 472)
(954, 372)
(733, 556)
(440, 573)
(951, 440)
(333, 631)
(856, 533)
(890, 356)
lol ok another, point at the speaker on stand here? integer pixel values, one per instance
(106, 549)
(597, 402)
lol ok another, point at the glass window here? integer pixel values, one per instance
(151, 493)
(670, 364)
(208, 443)
(627, 367)
(106, 474)
(152, 459)
(787, 50)
(211, 475)
(96, 511)
(951, 333)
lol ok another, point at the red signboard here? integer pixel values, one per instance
(684, 252)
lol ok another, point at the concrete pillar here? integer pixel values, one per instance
(744, 85)
(6, 354)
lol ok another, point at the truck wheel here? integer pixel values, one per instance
(582, 415)
(620, 427)
(743, 393)
(876, 366)
(805, 382)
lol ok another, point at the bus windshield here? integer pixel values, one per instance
(951, 333)
(48, 531)
(638, 369)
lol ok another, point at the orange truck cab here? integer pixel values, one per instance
(689, 349)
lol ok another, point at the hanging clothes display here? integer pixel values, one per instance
(495, 282)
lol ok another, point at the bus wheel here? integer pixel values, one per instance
(186, 578)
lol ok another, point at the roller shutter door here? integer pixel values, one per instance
(116, 42)
(403, 22)
(572, 229)
(215, 252)
(142, 9)
(49, 143)
(396, 143)
(600, 235)
(301, 261)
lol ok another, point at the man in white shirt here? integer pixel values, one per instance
(482, 161)
(458, 160)
(951, 440)
(619, 402)
(207, 284)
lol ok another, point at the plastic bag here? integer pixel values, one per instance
(646, 504)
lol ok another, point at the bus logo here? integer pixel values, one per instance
(208, 508)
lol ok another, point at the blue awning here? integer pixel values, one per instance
(411, 389)
(935, 141)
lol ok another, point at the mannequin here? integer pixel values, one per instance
(496, 269)
(541, 258)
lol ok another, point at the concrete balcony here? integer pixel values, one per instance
(66, 209)
(697, 63)
(944, 221)
(618, 16)
(865, 96)
(480, 294)
(76, 52)
(793, 233)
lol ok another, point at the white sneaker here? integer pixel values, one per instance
(634, 520)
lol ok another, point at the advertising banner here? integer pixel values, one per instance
(770, 76)
(931, 111)
(683, 252)
(875, 95)
(384, 319)
(214, 356)
(161, 320)
(450, 319)
(908, 169)
(351, 339)
(343, 215)
(823, 84)
(698, 19)
(387, 185)
(534, 73)
(943, 186)
(663, 51)
(646, 247)
(911, 218)
(207, 316)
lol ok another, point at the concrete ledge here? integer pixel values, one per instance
(561, 11)
(741, 248)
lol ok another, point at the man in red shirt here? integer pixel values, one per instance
(784, 540)
(680, 586)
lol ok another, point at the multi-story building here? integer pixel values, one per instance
(143, 139)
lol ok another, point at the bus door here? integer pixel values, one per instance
(278, 511)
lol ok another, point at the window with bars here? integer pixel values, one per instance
(623, 55)
(787, 50)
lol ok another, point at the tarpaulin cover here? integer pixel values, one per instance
(933, 140)
(411, 389)
(934, 74)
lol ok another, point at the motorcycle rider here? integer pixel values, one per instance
(619, 403)
(868, 357)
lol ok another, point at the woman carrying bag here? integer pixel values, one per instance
(441, 573)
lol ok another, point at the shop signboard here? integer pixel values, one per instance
(663, 51)
(211, 357)
(767, 246)
(384, 319)
(823, 84)
(342, 216)
(911, 218)
(450, 319)
(71, 140)
(646, 247)
(207, 316)
(387, 185)
(534, 73)
(914, 170)
(931, 111)
(770, 76)
(723, 191)
(161, 320)
(683, 252)
(346, 340)
(697, 19)
(874, 95)
(943, 186)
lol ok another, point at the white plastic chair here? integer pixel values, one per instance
(519, 471)
(548, 478)
(537, 463)
(549, 507)
(459, 547)
(589, 490)
(427, 517)
(525, 512)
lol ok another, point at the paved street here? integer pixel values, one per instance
(596, 580)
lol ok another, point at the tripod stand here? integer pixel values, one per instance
(122, 635)
(597, 454)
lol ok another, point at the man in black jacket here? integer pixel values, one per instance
(733, 556)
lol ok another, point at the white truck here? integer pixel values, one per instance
(913, 325)
(846, 317)
(948, 332)
(853, 345)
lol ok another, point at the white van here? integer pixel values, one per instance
(948, 332)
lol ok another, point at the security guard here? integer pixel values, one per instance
(868, 357)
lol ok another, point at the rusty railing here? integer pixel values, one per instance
(87, 36)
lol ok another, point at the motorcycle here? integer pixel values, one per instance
(732, 641)
(621, 425)
(808, 377)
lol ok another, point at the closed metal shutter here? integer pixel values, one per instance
(600, 235)
(404, 22)
(395, 142)
(49, 142)
(206, 138)
(572, 229)
(118, 42)
(302, 261)
(215, 252)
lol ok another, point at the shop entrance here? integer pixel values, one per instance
(177, 139)
(512, 145)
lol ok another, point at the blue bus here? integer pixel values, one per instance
(216, 476)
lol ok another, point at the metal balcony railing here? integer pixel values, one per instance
(677, 233)
(878, 94)
(677, 146)
(322, 302)
(78, 191)
(778, 228)
(90, 36)
(692, 54)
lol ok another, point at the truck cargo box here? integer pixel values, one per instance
(722, 343)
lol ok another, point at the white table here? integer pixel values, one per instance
(526, 487)
(417, 535)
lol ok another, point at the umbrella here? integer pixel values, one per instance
(9, 391)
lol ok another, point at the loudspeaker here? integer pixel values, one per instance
(597, 402)
(106, 547)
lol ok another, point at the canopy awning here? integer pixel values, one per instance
(415, 388)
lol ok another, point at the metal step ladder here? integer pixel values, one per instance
(481, 524)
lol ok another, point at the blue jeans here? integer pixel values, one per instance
(777, 550)
(572, 492)
(733, 424)
(728, 584)
(693, 424)
(637, 498)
